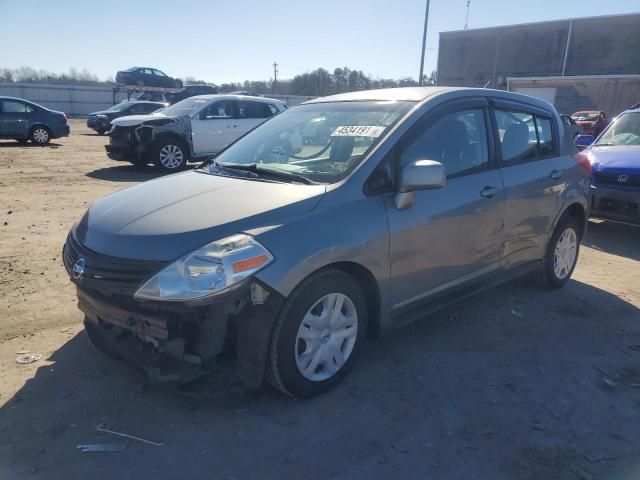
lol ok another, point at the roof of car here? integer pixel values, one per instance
(211, 96)
(419, 94)
(413, 94)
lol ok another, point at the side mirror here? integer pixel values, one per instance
(584, 140)
(418, 175)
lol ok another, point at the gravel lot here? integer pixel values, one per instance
(516, 383)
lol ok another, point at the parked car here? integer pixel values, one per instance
(415, 201)
(615, 158)
(101, 121)
(23, 120)
(591, 122)
(147, 77)
(571, 126)
(191, 91)
(192, 129)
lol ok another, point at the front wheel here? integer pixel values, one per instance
(40, 135)
(170, 155)
(317, 335)
(562, 253)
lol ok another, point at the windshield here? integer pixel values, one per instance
(322, 142)
(184, 107)
(625, 130)
(119, 107)
(585, 116)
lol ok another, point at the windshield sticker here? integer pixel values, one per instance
(358, 131)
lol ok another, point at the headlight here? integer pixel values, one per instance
(207, 270)
(102, 117)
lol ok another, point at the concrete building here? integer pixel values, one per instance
(583, 63)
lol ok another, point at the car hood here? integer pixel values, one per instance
(130, 120)
(166, 218)
(616, 159)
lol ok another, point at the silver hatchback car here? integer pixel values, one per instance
(289, 249)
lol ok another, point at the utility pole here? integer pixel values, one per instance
(424, 44)
(275, 78)
(466, 20)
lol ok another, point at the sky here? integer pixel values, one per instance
(227, 41)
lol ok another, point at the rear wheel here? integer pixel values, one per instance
(40, 135)
(170, 155)
(317, 335)
(562, 253)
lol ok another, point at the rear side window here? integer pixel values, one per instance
(457, 140)
(218, 110)
(248, 109)
(545, 136)
(273, 109)
(9, 106)
(523, 136)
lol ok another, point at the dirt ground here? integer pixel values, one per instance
(516, 383)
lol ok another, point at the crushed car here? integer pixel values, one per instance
(190, 130)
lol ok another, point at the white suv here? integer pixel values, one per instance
(192, 129)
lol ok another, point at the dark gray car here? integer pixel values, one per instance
(23, 120)
(416, 198)
(101, 121)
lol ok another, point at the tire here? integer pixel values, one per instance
(40, 135)
(170, 155)
(291, 354)
(101, 131)
(562, 254)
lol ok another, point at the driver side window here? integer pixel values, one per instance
(457, 140)
(222, 109)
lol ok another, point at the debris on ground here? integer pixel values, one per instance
(609, 383)
(28, 358)
(102, 428)
(102, 447)
(517, 313)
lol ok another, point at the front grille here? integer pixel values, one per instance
(108, 275)
(92, 117)
(120, 136)
(614, 179)
(617, 206)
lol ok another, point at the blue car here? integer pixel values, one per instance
(615, 160)
(22, 120)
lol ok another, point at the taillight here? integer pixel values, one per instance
(582, 160)
(64, 117)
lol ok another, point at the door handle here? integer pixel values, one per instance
(556, 174)
(489, 191)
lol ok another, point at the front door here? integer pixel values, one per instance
(214, 127)
(454, 233)
(14, 118)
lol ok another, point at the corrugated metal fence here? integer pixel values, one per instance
(77, 100)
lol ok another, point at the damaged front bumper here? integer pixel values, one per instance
(173, 341)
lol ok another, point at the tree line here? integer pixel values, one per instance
(319, 82)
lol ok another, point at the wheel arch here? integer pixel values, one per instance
(40, 124)
(367, 282)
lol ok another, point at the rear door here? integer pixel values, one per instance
(250, 115)
(453, 234)
(214, 127)
(14, 119)
(533, 172)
